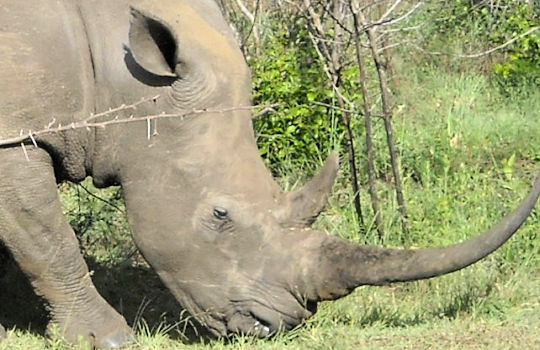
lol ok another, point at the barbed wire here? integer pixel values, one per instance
(91, 122)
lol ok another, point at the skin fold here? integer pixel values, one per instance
(237, 252)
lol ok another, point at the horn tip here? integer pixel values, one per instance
(333, 159)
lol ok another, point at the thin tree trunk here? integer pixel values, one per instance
(369, 133)
(387, 117)
(330, 59)
(337, 57)
(352, 161)
(252, 18)
(386, 47)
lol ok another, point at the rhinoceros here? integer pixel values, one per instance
(235, 250)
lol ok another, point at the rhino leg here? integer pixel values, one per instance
(34, 229)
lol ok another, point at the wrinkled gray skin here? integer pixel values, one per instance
(205, 212)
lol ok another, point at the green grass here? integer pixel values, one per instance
(468, 156)
(517, 329)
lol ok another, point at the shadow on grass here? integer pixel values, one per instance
(134, 290)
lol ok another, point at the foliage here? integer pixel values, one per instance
(522, 64)
(481, 25)
(303, 129)
(99, 221)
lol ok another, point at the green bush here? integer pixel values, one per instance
(303, 129)
(99, 221)
(478, 26)
(522, 63)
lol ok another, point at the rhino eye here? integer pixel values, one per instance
(220, 213)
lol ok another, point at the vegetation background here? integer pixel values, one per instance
(467, 134)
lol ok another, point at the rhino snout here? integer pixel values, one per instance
(263, 321)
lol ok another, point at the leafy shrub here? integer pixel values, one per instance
(303, 128)
(522, 63)
(99, 221)
(481, 25)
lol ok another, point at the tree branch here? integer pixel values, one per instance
(485, 53)
(91, 123)
(387, 112)
(476, 55)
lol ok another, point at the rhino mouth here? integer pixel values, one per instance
(240, 323)
(260, 326)
(255, 318)
(263, 320)
(261, 329)
(246, 324)
(259, 321)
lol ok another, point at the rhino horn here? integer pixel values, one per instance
(301, 207)
(340, 266)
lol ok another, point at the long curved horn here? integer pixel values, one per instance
(341, 266)
(301, 207)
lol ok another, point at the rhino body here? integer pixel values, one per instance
(234, 249)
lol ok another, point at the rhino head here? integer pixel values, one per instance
(205, 211)
(207, 215)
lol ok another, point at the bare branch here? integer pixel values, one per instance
(387, 21)
(406, 15)
(404, 29)
(476, 55)
(326, 68)
(389, 11)
(245, 10)
(368, 122)
(92, 194)
(252, 17)
(331, 56)
(333, 107)
(90, 123)
(361, 21)
(267, 109)
(485, 53)
(391, 46)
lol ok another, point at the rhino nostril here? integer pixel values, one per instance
(311, 306)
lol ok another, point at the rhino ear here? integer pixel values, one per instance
(301, 207)
(152, 44)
